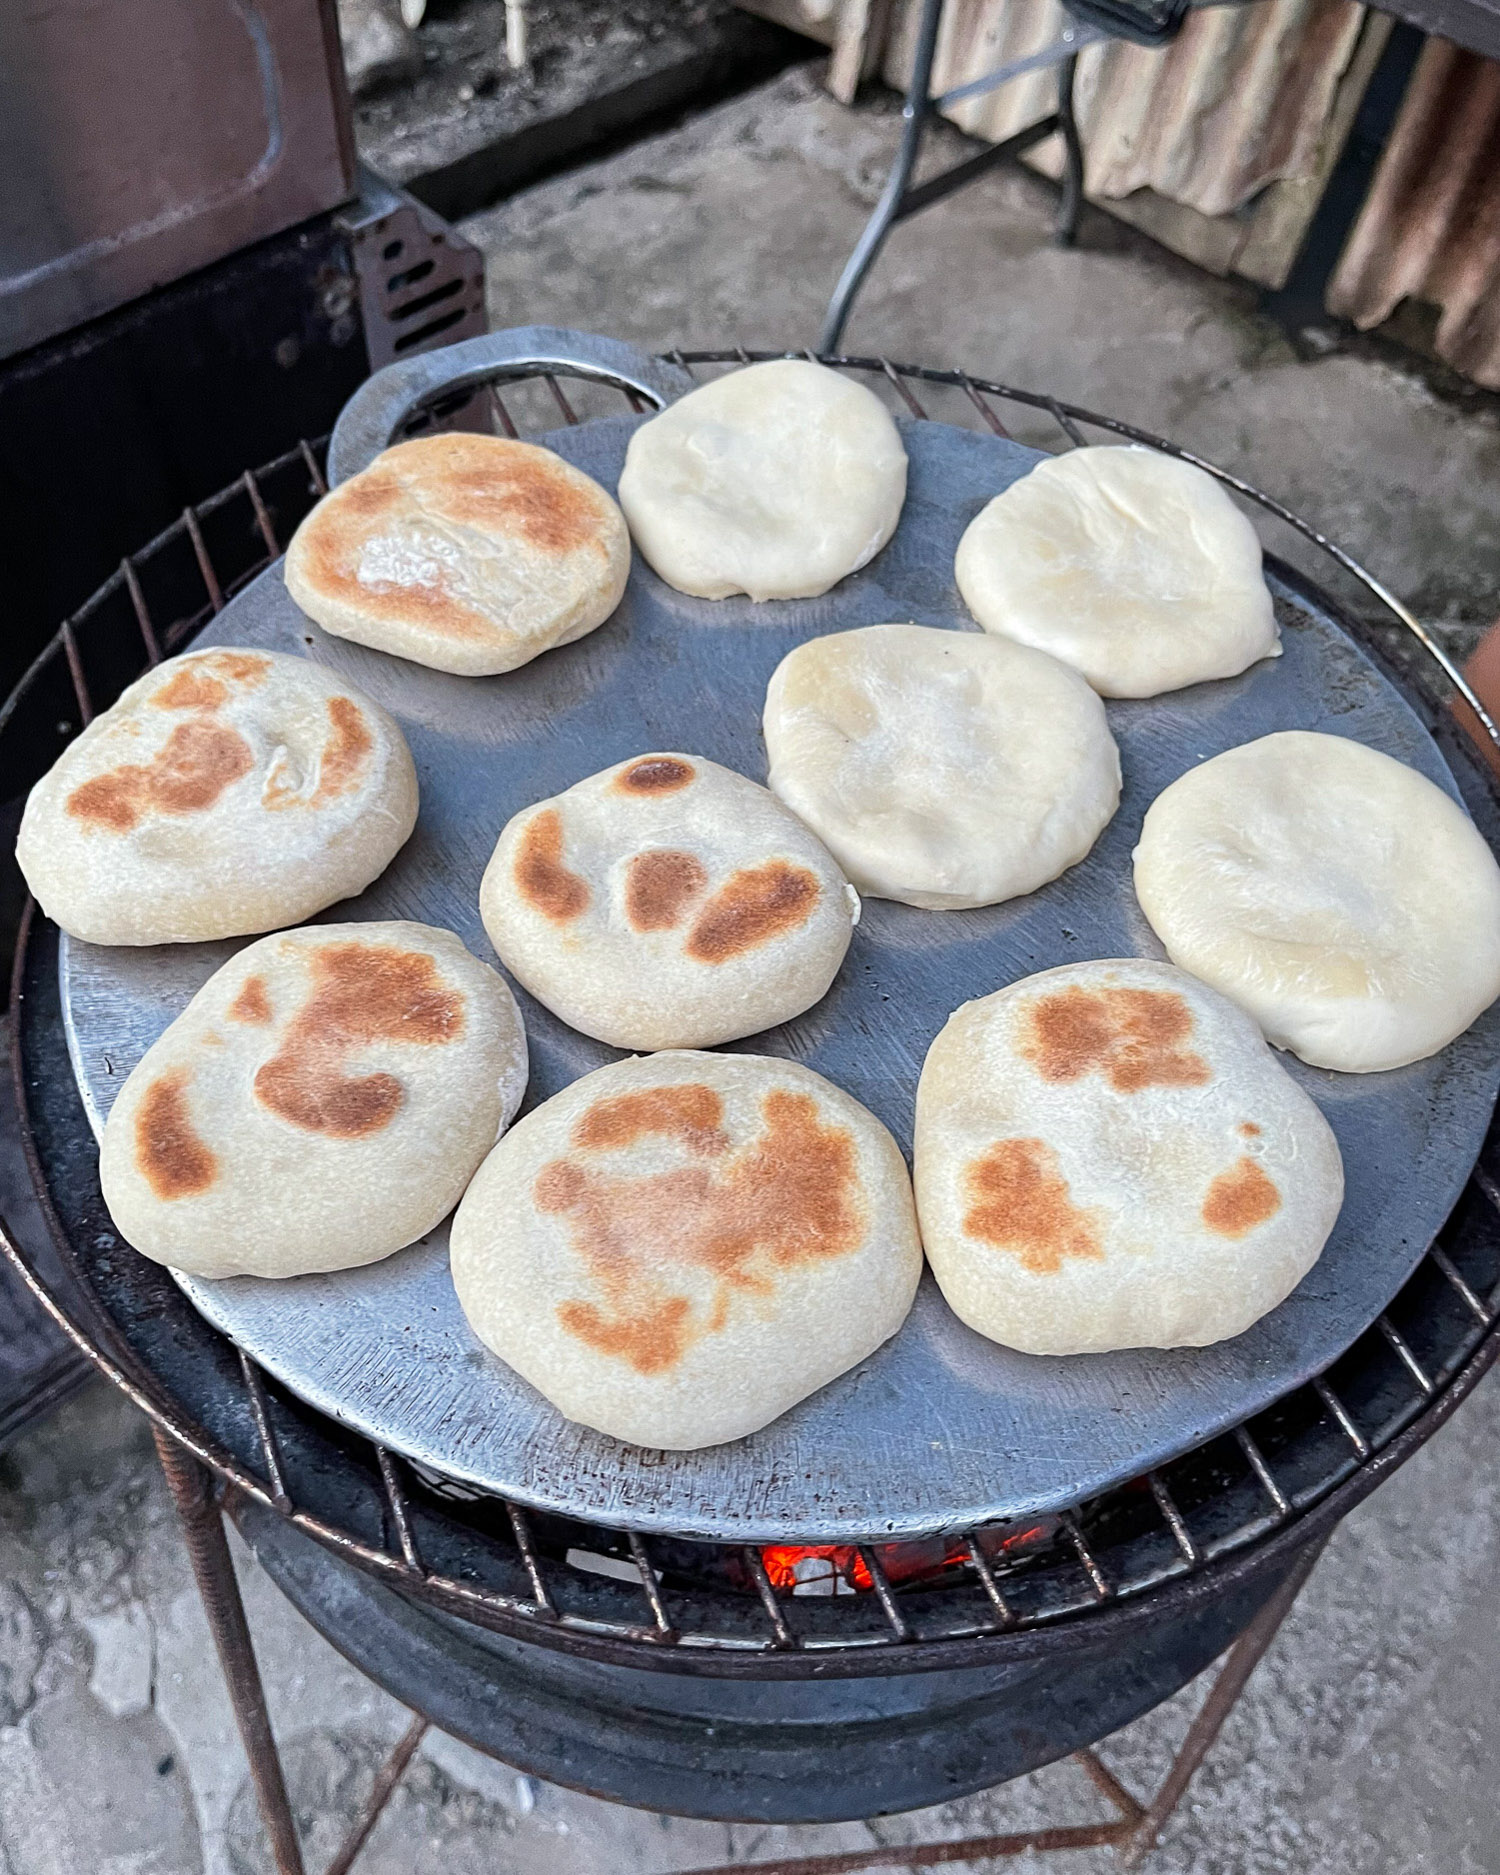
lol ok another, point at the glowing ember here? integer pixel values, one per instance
(787, 1564)
(839, 1568)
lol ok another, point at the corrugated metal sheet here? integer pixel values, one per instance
(1218, 144)
(1430, 227)
(1239, 100)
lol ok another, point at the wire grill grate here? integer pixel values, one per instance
(691, 1604)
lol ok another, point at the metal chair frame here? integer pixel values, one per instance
(901, 197)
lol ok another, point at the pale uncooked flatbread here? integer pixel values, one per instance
(941, 768)
(1109, 1156)
(225, 792)
(321, 1102)
(1133, 567)
(667, 903)
(775, 481)
(1342, 898)
(678, 1248)
(468, 553)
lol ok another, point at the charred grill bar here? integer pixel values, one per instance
(785, 1682)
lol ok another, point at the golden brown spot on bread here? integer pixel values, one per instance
(1240, 1199)
(788, 1196)
(650, 1341)
(367, 496)
(692, 1114)
(1133, 1037)
(345, 752)
(194, 766)
(1249, 1129)
(252, 1004)
(531, 495)
(500, 486)
(203, 683)
(191, 688)
(655, 774)
(362, 994)
(246, 668)
(753, 906)
(660, 886)
(1020, 1202)
(174, 1161)
(540, 875)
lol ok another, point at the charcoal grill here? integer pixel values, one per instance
(758, 1680)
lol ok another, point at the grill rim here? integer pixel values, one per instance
(654, 1642)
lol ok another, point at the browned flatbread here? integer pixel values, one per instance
(321, 1102)
(1109, 1156)
(667, 903)
(679, 1247)
(227, 791)
(468, 553)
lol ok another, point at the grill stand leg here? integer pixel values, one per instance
(914, 115)
(1133, 1832)
(191, 1485)
(1066, 232)
(1244, 1657)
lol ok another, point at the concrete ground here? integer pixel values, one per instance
(1369, 1741)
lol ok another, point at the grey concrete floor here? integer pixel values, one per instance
(1369, 1741)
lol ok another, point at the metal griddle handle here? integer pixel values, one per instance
(375, 413)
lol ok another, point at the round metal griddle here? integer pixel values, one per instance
(940, 1429)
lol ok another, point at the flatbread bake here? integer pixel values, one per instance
(667, 903)
(1135, 568)
(226, 792)
(678, 1248)
(468, 553)
(777, 481)
(321, 1102)
(1109, 1156)
(941, 768)
(1343, 899)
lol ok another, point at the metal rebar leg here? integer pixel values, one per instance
(914, 115)
(1069, 208)
(1244, 1658)
(1133, 1831)
(388, 1778)
(208, 1549)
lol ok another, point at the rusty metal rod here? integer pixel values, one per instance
(191, 1485)
(389, 1777)
(909, 1855)
(1244, 1657)
(1105, 1780)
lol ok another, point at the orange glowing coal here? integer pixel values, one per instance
(785, 1564)
(794, 1566)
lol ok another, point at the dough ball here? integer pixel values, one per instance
(667, 903)
(321, 1102)
(941, 768)
(225, 792)
(775, 481)
(1342, 898)
(678, 1248)
(1109, 1156)
(1133, 567)
(468, 553)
